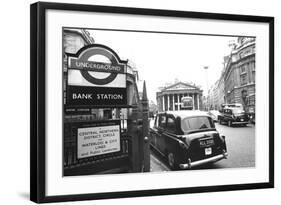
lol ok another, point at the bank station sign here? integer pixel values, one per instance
(92, 83)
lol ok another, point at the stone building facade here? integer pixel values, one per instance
(169, 98)
(239, 77)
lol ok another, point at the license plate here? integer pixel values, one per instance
(242, 120)
(208, 151)
(206, 142)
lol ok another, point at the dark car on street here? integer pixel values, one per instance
(187, 139)
(233, 115)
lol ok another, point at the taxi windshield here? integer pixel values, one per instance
(197, 123)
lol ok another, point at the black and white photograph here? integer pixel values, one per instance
(140, 102)
(129, 102)
(144, 101)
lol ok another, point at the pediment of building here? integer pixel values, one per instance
(180, 86)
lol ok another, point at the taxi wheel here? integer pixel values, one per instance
(172, 161)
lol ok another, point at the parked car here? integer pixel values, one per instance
(214, 115)
(252, 118)
(233, 115)
(239, 105)
(252, 115)
(187, 139)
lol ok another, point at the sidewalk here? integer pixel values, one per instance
(156, 165)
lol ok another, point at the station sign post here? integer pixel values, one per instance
(93, 84)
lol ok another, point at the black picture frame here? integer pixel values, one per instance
(38, 100)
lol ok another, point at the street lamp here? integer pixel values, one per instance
(206, 68)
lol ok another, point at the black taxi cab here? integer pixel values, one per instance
(233, 115)
(187, 139)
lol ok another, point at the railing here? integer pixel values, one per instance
(71, 161)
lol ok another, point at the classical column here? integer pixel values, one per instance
(168, 103)
(163, 96)
(193, 101)
(178, 101)
(174, 106)
(198, 105)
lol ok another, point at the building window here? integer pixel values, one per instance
(243, 79)
(73, 42)
(243, 69)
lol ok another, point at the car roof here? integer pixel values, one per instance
(186, 113)
(234, 108)
(233, 105)
(214, 111)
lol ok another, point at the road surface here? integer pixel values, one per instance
(240, 143)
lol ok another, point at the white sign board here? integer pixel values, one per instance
(75, 78)
(92, 141)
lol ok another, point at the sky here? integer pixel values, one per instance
(163, 58)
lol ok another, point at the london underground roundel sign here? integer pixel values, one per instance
(91, 83)
(83, 68)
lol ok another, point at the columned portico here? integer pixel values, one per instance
(170, 98)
